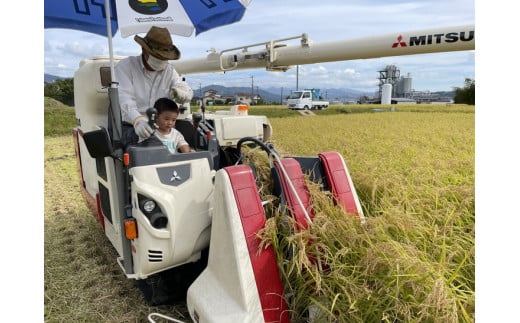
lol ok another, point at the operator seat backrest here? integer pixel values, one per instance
(91, 84)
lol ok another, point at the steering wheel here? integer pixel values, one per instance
(267, 148)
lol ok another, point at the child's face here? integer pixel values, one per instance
(166, 120)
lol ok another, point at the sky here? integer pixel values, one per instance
(323, 21)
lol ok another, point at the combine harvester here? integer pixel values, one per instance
(184, 225)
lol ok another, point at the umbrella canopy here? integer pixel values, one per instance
(79, 15)
(181, 17)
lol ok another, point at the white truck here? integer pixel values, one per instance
(306, 99)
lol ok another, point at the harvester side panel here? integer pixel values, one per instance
(91, 108)
(231, 128)
(264, 264)
(240, 283)
(111, 222)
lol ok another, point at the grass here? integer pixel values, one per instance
(59, 119)
(413, 261)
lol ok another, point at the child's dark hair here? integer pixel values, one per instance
(165, 104)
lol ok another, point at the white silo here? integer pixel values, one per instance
(407, 85)
(386, 96)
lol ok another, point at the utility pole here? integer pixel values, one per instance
(200, 94)
(297, 74)
(281, 96)
(252, 87)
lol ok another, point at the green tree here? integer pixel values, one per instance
(61, 90)
(467, 93)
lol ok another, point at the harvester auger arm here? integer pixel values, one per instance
(276, 55)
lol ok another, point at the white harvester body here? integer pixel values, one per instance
(193, 217)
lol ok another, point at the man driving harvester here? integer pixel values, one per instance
(145, 78)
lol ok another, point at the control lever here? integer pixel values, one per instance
(151, 113)
(196, 119)
(203, 110)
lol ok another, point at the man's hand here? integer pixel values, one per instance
(142, 128)
(181, 93)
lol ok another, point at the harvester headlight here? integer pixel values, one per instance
(158, 220)
(148, 206)
(152, 211)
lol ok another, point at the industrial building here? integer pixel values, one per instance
(399, 89)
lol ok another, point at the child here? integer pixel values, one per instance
(167, 113)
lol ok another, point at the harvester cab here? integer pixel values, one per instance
(184, 225)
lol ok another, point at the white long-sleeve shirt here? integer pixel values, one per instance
(139, 88)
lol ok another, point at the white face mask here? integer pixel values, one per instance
(156, 64)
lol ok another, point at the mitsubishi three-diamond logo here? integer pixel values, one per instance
(175, 176)
(399, 42)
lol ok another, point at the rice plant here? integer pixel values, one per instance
(414, 258)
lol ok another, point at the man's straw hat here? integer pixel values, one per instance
(158, 43)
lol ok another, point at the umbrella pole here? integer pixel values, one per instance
(121, 171)
(113, 92)
(109, 36)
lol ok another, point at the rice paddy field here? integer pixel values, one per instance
(413, 260)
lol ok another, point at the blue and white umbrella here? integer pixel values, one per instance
(181, 17)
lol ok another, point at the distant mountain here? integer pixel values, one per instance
(345, 94)
(445, 94)
(267, 96)
(275, 95)
(49, 78)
